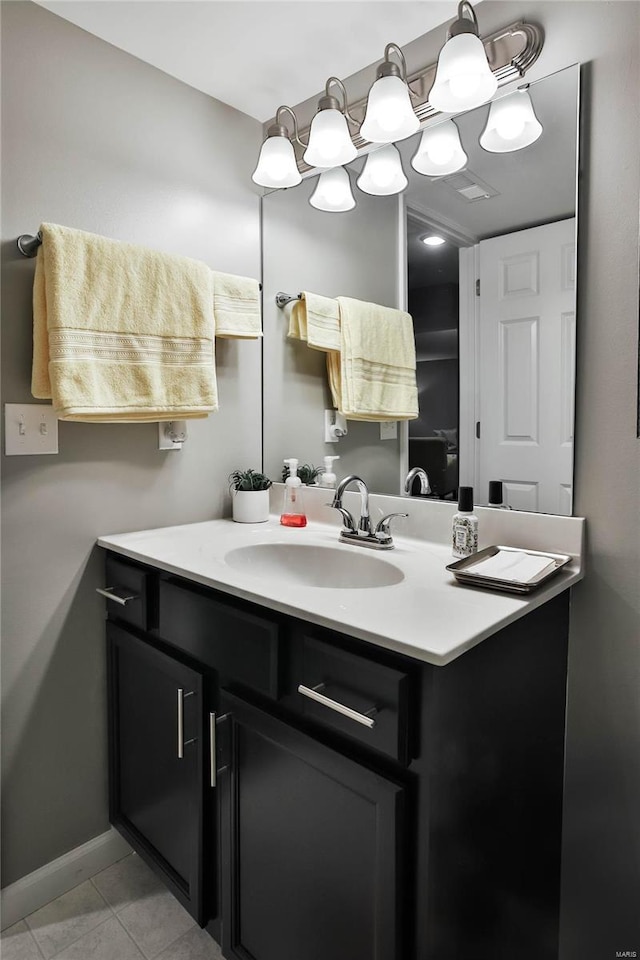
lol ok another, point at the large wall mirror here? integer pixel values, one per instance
(493, 305)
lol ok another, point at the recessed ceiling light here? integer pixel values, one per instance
(433, 241)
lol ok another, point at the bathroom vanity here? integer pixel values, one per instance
(308, 789)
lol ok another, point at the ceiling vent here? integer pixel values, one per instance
(468, 186)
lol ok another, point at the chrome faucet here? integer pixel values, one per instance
(424, 481)
(365, 520)
(363, 535)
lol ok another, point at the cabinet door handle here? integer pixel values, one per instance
(212, 750)
(313, 693)
(181, 742)
(123, 600)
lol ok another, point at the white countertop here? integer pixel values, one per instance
(427, 615)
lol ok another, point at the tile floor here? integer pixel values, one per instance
(123, 913)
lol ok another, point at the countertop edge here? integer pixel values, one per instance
(563, 581)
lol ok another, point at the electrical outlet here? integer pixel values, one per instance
(30, 428)
(172, 434)
(335, 426)
(389, 430)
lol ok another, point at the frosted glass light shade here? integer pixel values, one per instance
(389, 115)
(463, 77)
(277, 165)
(330, 144)
(383, 174)
(511, 124)
(333, 192)
(440, 151)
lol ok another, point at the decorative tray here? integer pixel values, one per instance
(463, 570)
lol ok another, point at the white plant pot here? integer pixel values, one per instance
(250, 506)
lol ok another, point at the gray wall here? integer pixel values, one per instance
(304, 249)
(601, 857)
(95, 139)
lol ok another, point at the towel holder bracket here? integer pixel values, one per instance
(282, 299)
(28, 245)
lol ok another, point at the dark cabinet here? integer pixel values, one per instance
(309, 796)
(157, 782)
(312, 862)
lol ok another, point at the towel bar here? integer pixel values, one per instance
(28, 247)
(282, 299)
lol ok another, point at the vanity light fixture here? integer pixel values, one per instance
(433, 241)
(389, 115)
(277, 165)
(330, 143)
(333, 192)
(383, 174)
(511, 124)
(440, 152)
(463, 76)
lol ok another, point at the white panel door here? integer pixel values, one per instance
(526, 374)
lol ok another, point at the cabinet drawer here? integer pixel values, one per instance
(238, 643)
(376, 696)
(129, 593)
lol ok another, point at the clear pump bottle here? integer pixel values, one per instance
(293, 514)
(328, 478)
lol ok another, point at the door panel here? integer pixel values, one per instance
(310, 848)
(156, 796)
(526, 373)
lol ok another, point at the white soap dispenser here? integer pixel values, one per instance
(293, 514)
(328, 478)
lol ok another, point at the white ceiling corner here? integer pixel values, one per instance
(255, 54)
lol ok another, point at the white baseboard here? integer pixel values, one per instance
(30, 893)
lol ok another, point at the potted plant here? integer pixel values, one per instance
(249, 496)
(306, 471)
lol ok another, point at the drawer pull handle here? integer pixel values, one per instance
(212, 750)
(181, 742)
(314, 693)
(108, 592)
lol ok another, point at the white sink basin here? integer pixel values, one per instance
(312, 566)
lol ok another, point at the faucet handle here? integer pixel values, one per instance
(349, 522)
(382, 531)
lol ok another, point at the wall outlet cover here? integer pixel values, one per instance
(171, 434)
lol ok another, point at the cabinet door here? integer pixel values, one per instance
(156, 757)
(311, 847)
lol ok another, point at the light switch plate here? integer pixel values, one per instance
(30, 428)
(389, 430)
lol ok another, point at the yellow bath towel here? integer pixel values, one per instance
(377, 363)
(316, 319)
(236, 306)
(121, 333)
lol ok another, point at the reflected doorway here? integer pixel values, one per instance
(433, 297)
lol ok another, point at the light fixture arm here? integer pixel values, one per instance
(345, 106)
(390, 69)
(388, 50)
(284, 108)
(462, 24)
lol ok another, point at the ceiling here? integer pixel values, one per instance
(255, 54)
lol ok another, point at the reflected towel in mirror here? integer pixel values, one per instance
(316, 320)
(376, 377)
